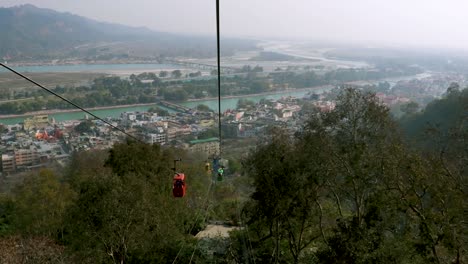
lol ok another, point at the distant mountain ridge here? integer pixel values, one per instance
(29, 32)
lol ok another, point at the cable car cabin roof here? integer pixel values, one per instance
(179, 176)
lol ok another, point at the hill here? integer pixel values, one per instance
(32, 33)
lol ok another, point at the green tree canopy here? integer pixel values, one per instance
(348, 189)
(176, 74)
(204, 108)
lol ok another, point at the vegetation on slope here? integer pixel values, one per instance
(347, 189)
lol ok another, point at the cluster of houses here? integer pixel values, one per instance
(32, 144)
(40, 140)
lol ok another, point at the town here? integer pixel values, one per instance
(40, 141)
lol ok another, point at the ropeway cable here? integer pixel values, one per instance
(68, 101)
(218, 55)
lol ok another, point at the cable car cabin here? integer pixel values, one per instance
(178, 187)
(220, 173)
(208, 168)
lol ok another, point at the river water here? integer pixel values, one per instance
(227, 103)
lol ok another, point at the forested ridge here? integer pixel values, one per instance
(354, 186)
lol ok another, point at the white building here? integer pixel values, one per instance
(157, 138)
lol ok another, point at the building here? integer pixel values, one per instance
(207, 122)
(19, 158)
(8, 163)
(246, 130)
(209, 146)
(128, 116)
(36, 122)
(159, 138)
(26, 157)
(325, 106)
(175, 132)
(238, 116)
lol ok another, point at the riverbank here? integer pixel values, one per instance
(116, 111)
(260, 94)
(57, 111)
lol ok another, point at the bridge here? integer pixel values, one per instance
(175, 107)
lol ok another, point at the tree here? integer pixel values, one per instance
(257, 69)
(453, 88)
(409, 108)
(203, 108)
(163, 74)
(176, 95)
(3, 128)
(209, 133)
(331, 185)
(41, 202)
(246, 68)
(282, 212)
(7, 208)
(195, 74)
(84, 127)
(159, 111)
(199, 94)
(176, 74)
(245, 103)
(126, 213)
(258, 86)
(443, 115)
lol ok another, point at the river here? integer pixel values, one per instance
(226, 103)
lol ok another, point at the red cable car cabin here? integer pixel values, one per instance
(178, 187)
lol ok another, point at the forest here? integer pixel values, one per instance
(354, 186)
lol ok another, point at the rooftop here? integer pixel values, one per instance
(198, 141)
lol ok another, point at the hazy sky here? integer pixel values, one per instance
(428, 23)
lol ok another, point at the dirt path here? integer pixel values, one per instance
(216, 231)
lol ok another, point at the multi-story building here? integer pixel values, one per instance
(209, 146)
(158, 138)
(8, 163)
(26, 157)
(177, 132)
